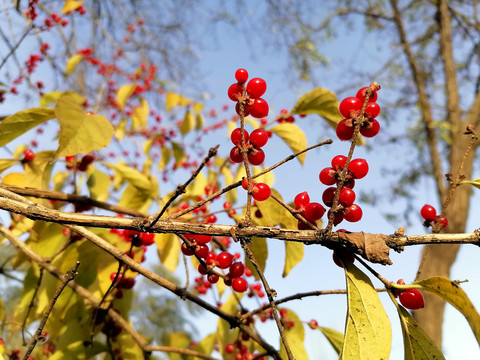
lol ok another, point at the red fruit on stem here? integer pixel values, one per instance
(147, 239)
(256, 157)
(304, 226)
(28, 155)
(259, 138)
(327, 176)
(347, 197)
(301, 200)
(202, 270)
(235, 155)
(185, 250)
(256, 87)
(428, 212)
(412, 299)
(358, 167)
(203, 239)
(442, 220)
(235, 92)
(236, 136)
(314, 211)
(353, 213)
(239, 284)
(259, 108)
(224, 260)
(344, 132)
(230, 348)
(372, 110)
(261, 192)
(245, 183)
(236, 270)
(246, 110)
(212, 278)
(313, 324)
(371, 129)
(361, 95)
(328, 196)
(211, 258)
(338, 162)
(241, 75)
(350, 107)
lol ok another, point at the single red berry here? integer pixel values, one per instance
(86, 160)
(202, 270)
(236, 270)
(314, 211)
(212, 278)
(203, 239)
(261, 192)
(327, 176)
(442, 220)
(344, 132)
(301, 200)
(349, 183)
(304, 226)
(328, 196)
(230, 348)
(258, 138)
(428, 212)
(241, 75)
(239, 284)
(350, 107)
(126, 283)
(397, 292)
(236, 136)
(246, 110)
(227, 205)
(313, 324)
(185, 250)
(372, 110)
(28, 154)
(347, 197)
(256, 87)
(245, 183)
(147, 239)
(338, 162)
(235, 92)
(202, 251)
(358, 167)
(224, 260)
(361, 95)
(259, 108)
(412, 299)
(353, 213)
(235, 155)
(256, 157)
(371, 129)
(211, 258)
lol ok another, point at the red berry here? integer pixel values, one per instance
(256, 87)
(397, 292)
(185, 250)
(442, 220)
(372, 110)
(245, 183)
(86, 160)
(235, 92)
(29, 155)
(230, 348)
(350, 107)
(428, 212)
(344, 132)
(314, 211)
(239, 284)
(301, 200)
(347, 197)
(224, 260)
(371, 129)
(361, 95)
(212, 278)
(258, 138)
(236, 136)
(338, 162)
(337, 219)
(241, 75)
(328, 196)
(236, 270)
(246, 110)
(202, 270)
(235, 155)
(259, 108)
(313, 324)
(203, 239)
(256, 157)
(148, 239)
(358, 167)
(126, 283)
(211, 258)
(304, 226)
(412, 299)
(261, 192)
(202, 251)
(353, 213)
(327, 176)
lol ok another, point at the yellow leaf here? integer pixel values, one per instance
(50, 98)
(59, 180)
(17, 179)
(178, 339)
(140, 115)
(71, 5)
(368, 333)
(133, 176)
(451, 292)
(295, 336)
(417, 344)
(168, 250)
(200, 120)
(228, 176)
(198, 187)
(206, 345)
(475, 182)
(259, 249)
(268, 178)
(293, 255)
(334, 337)
(135, 199)
(197, 107)
(188, 123)
(171, 100)
(22, 121)
(6, 163)
(293, 136)
(120, 129)
(98, 184)
(164, 158)
(37, 171)
(123, 93)
(322, 102)
(274, 214)
(80, 132)
(178, 153)
(72, 63)
(223, 328)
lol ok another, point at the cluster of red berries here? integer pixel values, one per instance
(28, 155)
(253, 144)
(82, 165)
(351, 109)
(410, 298)
(55, 19)
(429, 214)
(241, 350)
(312, 211)
(248, 98)
(260, 191)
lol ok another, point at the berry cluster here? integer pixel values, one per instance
(351, 109)
(253, 145)
(411, 298)
(312, 211)
(248, 98)
(82, 165)
(429, 214)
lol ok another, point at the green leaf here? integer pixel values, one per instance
(334, 337)
(259, 249)
(178, 153)
(322, 102)
(295, 336)
(22, 121)
(452, 293)
(168, 246)
(72, 63)
(417, 344)
(475, 182)
(123, 93)
(79, 132)
(140, 115)
(368, 333)
(293, 136)
(293, 255)
(199, 121)
(188, 123)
